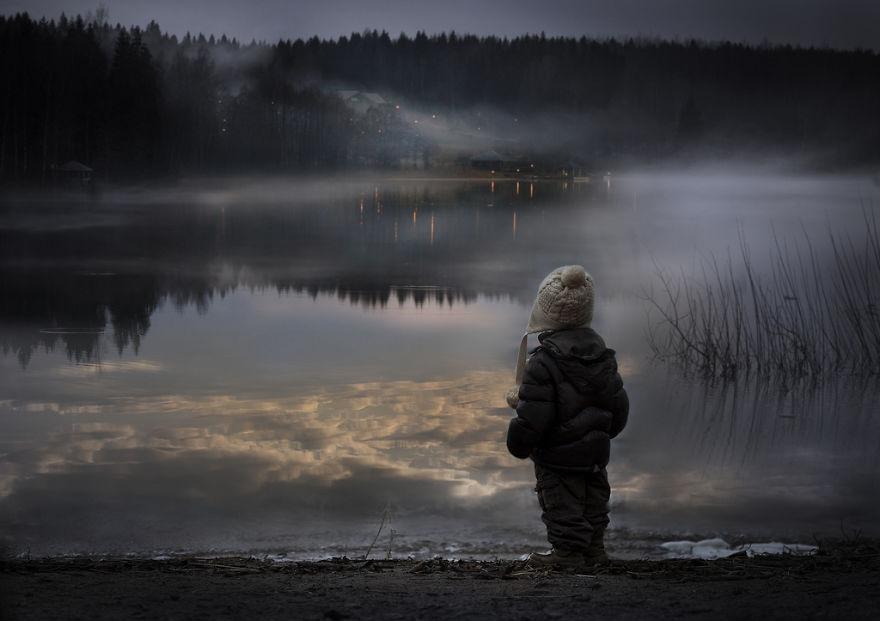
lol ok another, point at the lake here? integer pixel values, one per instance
(277, 366)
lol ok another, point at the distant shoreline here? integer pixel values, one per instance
(438, 174)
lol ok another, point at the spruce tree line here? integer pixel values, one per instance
(137, 103)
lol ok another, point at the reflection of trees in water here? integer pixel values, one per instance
(42, 310)
(748, 420)
(71, 274)
(381, 296)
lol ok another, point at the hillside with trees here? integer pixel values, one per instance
(137, 103)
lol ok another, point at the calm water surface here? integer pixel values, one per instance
(271, 366)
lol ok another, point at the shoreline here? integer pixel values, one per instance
(839, 581)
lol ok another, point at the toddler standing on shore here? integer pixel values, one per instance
(569, 402)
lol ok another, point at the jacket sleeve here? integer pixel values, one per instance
(535, 412)
(614, 398)
(619, 409)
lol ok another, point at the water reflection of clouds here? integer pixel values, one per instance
(428, 448)
(415, 444)
(446, 422)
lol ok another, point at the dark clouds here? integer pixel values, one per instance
(838, 23)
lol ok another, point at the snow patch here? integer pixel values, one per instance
(710, 549)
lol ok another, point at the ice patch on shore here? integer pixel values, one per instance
(711, 549)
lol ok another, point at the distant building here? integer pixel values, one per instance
(360, 101)
(530, 166)
(574, 167)
(73, 172)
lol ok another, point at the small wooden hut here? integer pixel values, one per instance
(73, 172)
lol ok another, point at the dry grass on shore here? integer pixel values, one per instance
(806, 315)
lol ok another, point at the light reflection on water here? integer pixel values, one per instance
(244, 373)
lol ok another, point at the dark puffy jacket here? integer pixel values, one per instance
(571, 402)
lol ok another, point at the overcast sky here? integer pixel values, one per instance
(838, 23)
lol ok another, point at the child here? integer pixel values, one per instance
(569, 403)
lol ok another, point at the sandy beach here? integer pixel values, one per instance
(840, 581)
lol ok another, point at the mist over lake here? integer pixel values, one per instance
(267, 364)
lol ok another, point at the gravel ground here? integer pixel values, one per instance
(842, 581)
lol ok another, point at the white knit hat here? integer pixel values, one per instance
(565, 300)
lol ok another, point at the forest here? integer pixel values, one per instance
(133, 103)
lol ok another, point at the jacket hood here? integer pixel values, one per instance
(582, 343)
(583, 358)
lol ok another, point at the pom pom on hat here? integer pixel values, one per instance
(573, 276)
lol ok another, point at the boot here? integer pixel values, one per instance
(595, 554)
(567, 559)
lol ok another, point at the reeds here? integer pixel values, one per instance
(807, 314)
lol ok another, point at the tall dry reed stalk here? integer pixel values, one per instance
(804, 316)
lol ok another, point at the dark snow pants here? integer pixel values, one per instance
(574, 505)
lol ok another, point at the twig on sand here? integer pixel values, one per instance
(378, 532)
(536, 596)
